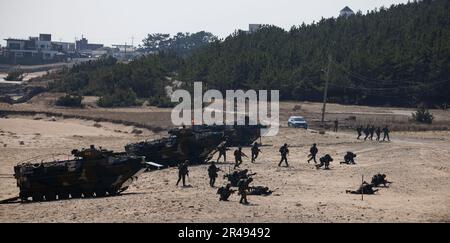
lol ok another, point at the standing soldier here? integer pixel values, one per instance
(312, 153)
(255, 151)
(366, 132)
(243, 187)
(183, 171)
(378, 132)
(386, 133)
(284, 151)
(359, 131)
(238, 157)
(212, 172)
(336, 125)
(372, 131)
(222, 152)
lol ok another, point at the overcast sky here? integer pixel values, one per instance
(116, 21)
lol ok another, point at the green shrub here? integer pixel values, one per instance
(161, 102)
(16, 75)
(70, 101)
(120, 98)
(423, 115)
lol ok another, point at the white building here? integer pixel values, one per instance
(346, 12)
(33, 47)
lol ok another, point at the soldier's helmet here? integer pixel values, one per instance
(314, 144)
(285, 145)
(240, 148)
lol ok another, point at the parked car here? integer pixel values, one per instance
(297, 121)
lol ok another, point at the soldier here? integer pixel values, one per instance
(365, 188)
(260, 191)
(379, 179)
(243, 187)
(183, 171)
(225, 192)
(238, 157)
(336, 125)
(284, 151)
(325, 161)
(378, 132)
(359, 131)
(255, 151)
(386, 133)
(349, 158)
(222, 152)
(372, 131)
(234, 177)
(366, 132)
(212, 172)
(312, 153)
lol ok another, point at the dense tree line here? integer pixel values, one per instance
(389, 56)
(182, 44)
(119, 84)
(394, 56)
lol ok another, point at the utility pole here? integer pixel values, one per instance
(362, 186)
(325, 92)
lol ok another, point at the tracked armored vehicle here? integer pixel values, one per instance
(193, 144)
(236, 135)
(92, 172)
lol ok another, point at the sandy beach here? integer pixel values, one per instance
(416, 162)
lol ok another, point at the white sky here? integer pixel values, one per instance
(116, 21)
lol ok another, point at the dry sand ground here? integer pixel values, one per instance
(417, 162)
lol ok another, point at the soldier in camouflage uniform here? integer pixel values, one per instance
(255, 151)
(313, 153)
(225, 192)
(238, 157)
(183, 171)
(284, 151)
(212, 173)
(349, 158)
(365, 188)
(222, 149)
(243, 187)
(325, 161)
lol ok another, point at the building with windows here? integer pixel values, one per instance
(35, 47)
(84, 45)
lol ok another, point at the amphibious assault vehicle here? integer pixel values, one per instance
(236, 135)
(92, 172)
(193, 144)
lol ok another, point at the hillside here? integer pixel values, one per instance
(394, 56)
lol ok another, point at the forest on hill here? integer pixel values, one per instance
(397, 56)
